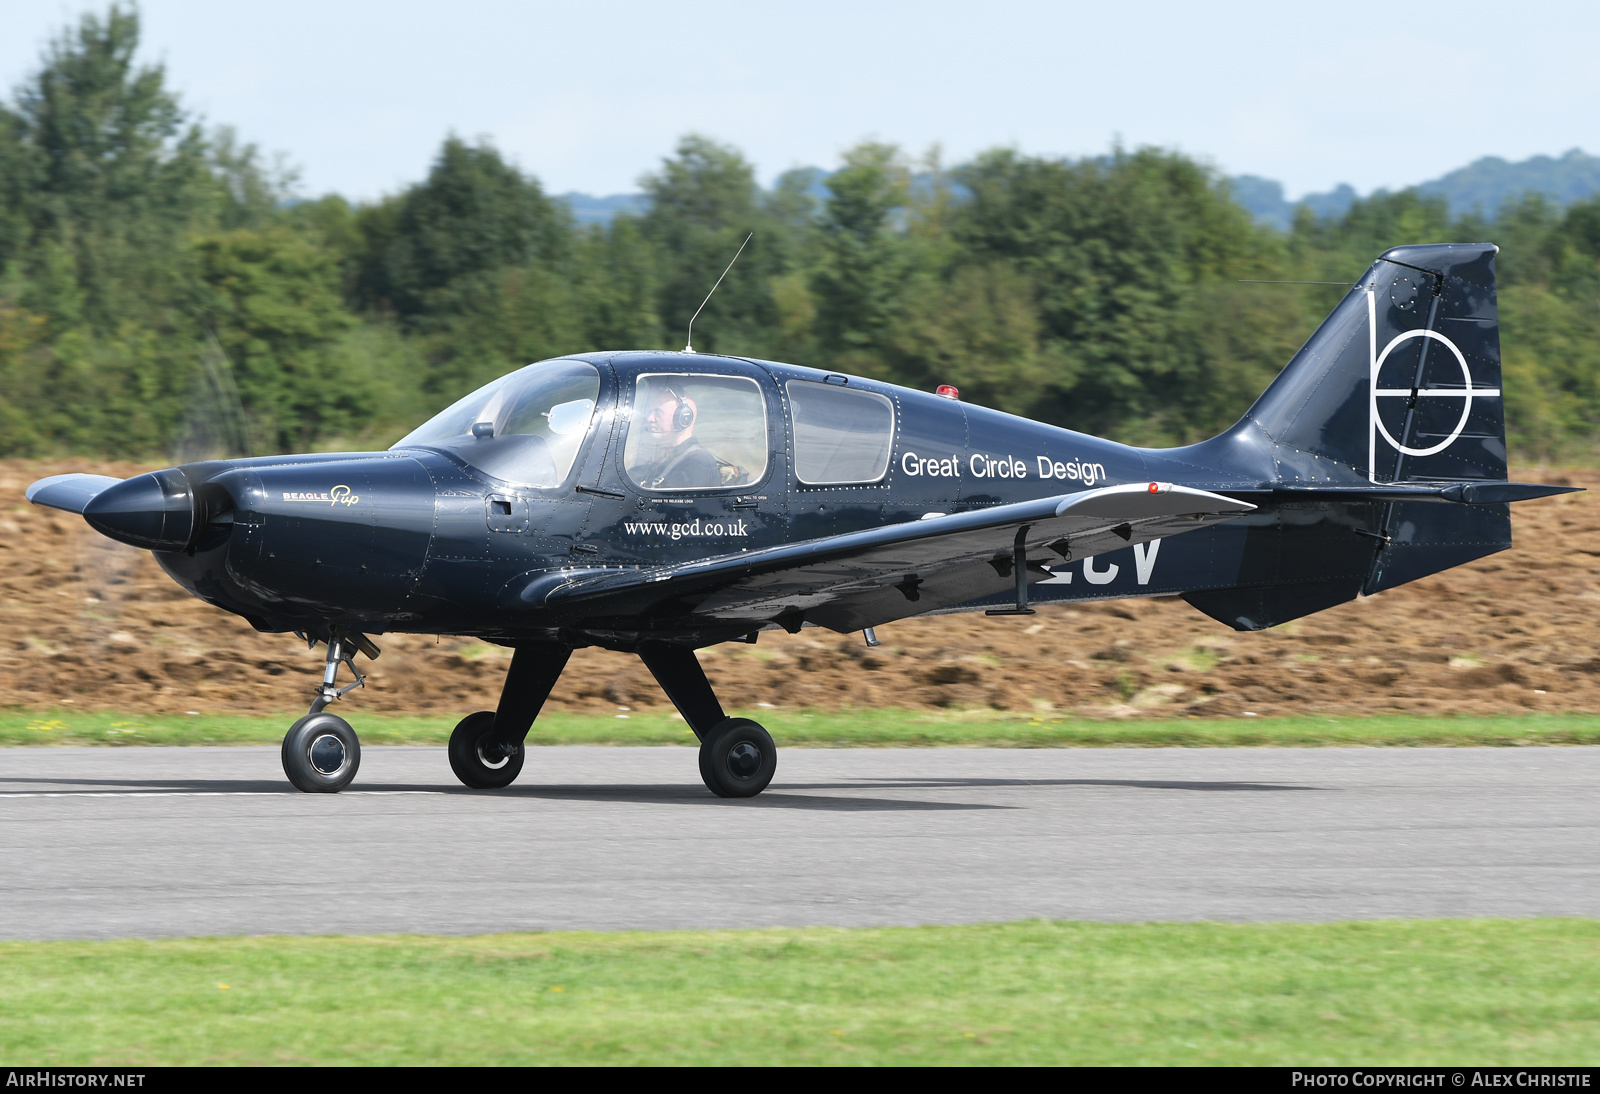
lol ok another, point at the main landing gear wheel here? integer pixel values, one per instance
(478, 761)
(737, 758)
(321, 754)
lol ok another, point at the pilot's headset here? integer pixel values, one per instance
(684, 416)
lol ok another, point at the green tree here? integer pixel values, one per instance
(253, 191)
(616, 282)
(704, 201)
(1550, 327)
(474, 214)
(862, 262)
(18, 182)
(979, 330)
(271, 299)
(117, 172)
(486, 324)
(24, 357)
(1117, 249)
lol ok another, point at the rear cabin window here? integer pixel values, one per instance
(841, 435)
(696, 432)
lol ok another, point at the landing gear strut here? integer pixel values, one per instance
(737, 756)
(487, 748)
(321, 753)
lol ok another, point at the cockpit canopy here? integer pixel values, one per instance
(525, 427)
(685, 431)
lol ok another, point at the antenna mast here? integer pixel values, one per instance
(688, 344)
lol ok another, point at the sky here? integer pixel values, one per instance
(590, 96)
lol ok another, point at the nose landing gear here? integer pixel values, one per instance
(321, 753)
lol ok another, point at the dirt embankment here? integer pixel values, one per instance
(91, 624)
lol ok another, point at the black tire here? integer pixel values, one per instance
(738, 758)
(469, 763)
(321, 754)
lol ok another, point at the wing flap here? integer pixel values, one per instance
(879, 574)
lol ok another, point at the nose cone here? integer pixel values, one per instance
(155, 511)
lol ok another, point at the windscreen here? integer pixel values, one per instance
(524, 428)
(841, 435)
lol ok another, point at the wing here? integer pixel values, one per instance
(870, 577)
(70, 492)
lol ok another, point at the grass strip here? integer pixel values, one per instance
(875, 728)
(1458, 992)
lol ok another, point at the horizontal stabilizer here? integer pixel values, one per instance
(1489, 493)
(1470, 493)
(72, 493)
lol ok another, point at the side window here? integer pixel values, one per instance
(841, 435)
(694, 432)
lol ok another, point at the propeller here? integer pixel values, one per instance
(157, 510)
(214, 422)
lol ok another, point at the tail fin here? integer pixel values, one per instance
(1402, 382)
(1400, 385)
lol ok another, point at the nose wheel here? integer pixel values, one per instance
(737, 758)
(321, 754)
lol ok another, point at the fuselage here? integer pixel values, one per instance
(421, 538)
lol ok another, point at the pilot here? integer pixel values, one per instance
(680, 461)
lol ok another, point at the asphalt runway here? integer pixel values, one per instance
(144, 842)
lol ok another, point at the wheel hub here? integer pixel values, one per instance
(493, 755)
(327, 754)
(744, 760)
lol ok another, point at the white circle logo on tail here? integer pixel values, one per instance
(1466, 393)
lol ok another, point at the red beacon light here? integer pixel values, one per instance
(947, 391)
